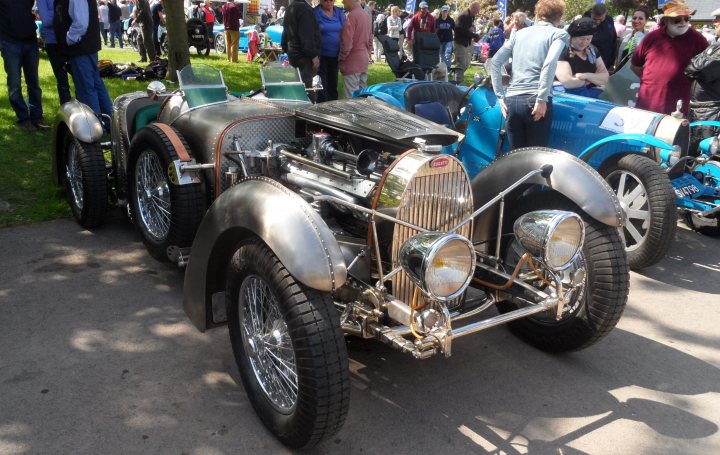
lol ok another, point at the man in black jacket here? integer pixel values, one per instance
(464, 37)
(605, 36)
(20, 54)
(142, 18)
(301, 39)
(77, 30)
(114, 14)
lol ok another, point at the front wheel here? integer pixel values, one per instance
(289, 348)
(704, 225)
(596, 304)
(85, 180)
(648, 200)
(167, 214)
(220, 43)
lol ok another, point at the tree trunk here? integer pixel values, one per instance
(178, 51)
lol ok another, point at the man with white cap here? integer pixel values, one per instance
(661, 58)
(445, 25)
(422, 21)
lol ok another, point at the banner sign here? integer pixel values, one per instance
(410, 6)
(502, 8)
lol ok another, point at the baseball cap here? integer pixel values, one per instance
(423, 5)
(445, 8)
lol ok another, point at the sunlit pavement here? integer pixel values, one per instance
(97, 356)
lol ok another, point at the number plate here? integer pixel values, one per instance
(687, 190)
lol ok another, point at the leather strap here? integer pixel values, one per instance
(177, 144)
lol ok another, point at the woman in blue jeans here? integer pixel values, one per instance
(527, 102)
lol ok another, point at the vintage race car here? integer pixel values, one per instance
(301, 223)
(624, 144)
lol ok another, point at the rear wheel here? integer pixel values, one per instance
(85, 180)
(596, 305)
(648, 200)
(289, 348)
(166, 214)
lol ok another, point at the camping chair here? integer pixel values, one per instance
(426, 52)
(403, 69)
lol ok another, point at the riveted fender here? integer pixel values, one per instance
(571, 177)
(82, 123)
(263, 208)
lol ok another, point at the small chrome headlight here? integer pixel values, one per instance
(554, 236)
(440, 264)
(714, 146)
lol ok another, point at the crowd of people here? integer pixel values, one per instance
(325, 40)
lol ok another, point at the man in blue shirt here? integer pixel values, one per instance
(77, 30)
(57, 59)
(21, 56)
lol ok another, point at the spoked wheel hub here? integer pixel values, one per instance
(267, 342)
(634, 201)
(153, 195)
(73, 173)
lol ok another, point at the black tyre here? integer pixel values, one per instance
(220, 43)
(85, 180)
(289, 348)
(706, 226)
(596, 306)
(646, 194)
(165, 213)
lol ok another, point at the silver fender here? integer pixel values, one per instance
(81, 120)
(283, 220)
(82, 123)
(571, 177)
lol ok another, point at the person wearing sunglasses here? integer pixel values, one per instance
(661, 58)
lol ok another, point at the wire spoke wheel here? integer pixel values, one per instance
(153, 195)
(267, 342)
(73, 174)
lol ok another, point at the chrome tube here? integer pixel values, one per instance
(503, 318)
(492, 201)
(309, 162)
(305, 182)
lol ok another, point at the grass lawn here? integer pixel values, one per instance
(27, 192)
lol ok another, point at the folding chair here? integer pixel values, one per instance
(426, 52)
(403, 69)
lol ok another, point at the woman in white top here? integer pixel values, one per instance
(394, 23)
(630, 40)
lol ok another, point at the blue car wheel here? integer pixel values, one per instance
(648, 200)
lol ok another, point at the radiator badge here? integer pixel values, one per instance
(439, 162)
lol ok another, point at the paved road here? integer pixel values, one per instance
(97, 356)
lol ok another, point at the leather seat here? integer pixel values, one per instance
(445, 93)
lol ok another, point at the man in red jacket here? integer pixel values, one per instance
(422, 21)
(231, 19)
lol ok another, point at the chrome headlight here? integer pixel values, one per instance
(554, 236)
(440, 264)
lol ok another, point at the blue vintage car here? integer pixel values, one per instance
(273, 32)
(629, 147)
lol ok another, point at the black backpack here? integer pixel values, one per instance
(156, 69)
(381, 28)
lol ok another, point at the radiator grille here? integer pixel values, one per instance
(435, 199)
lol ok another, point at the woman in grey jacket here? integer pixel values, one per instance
(527, 102)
